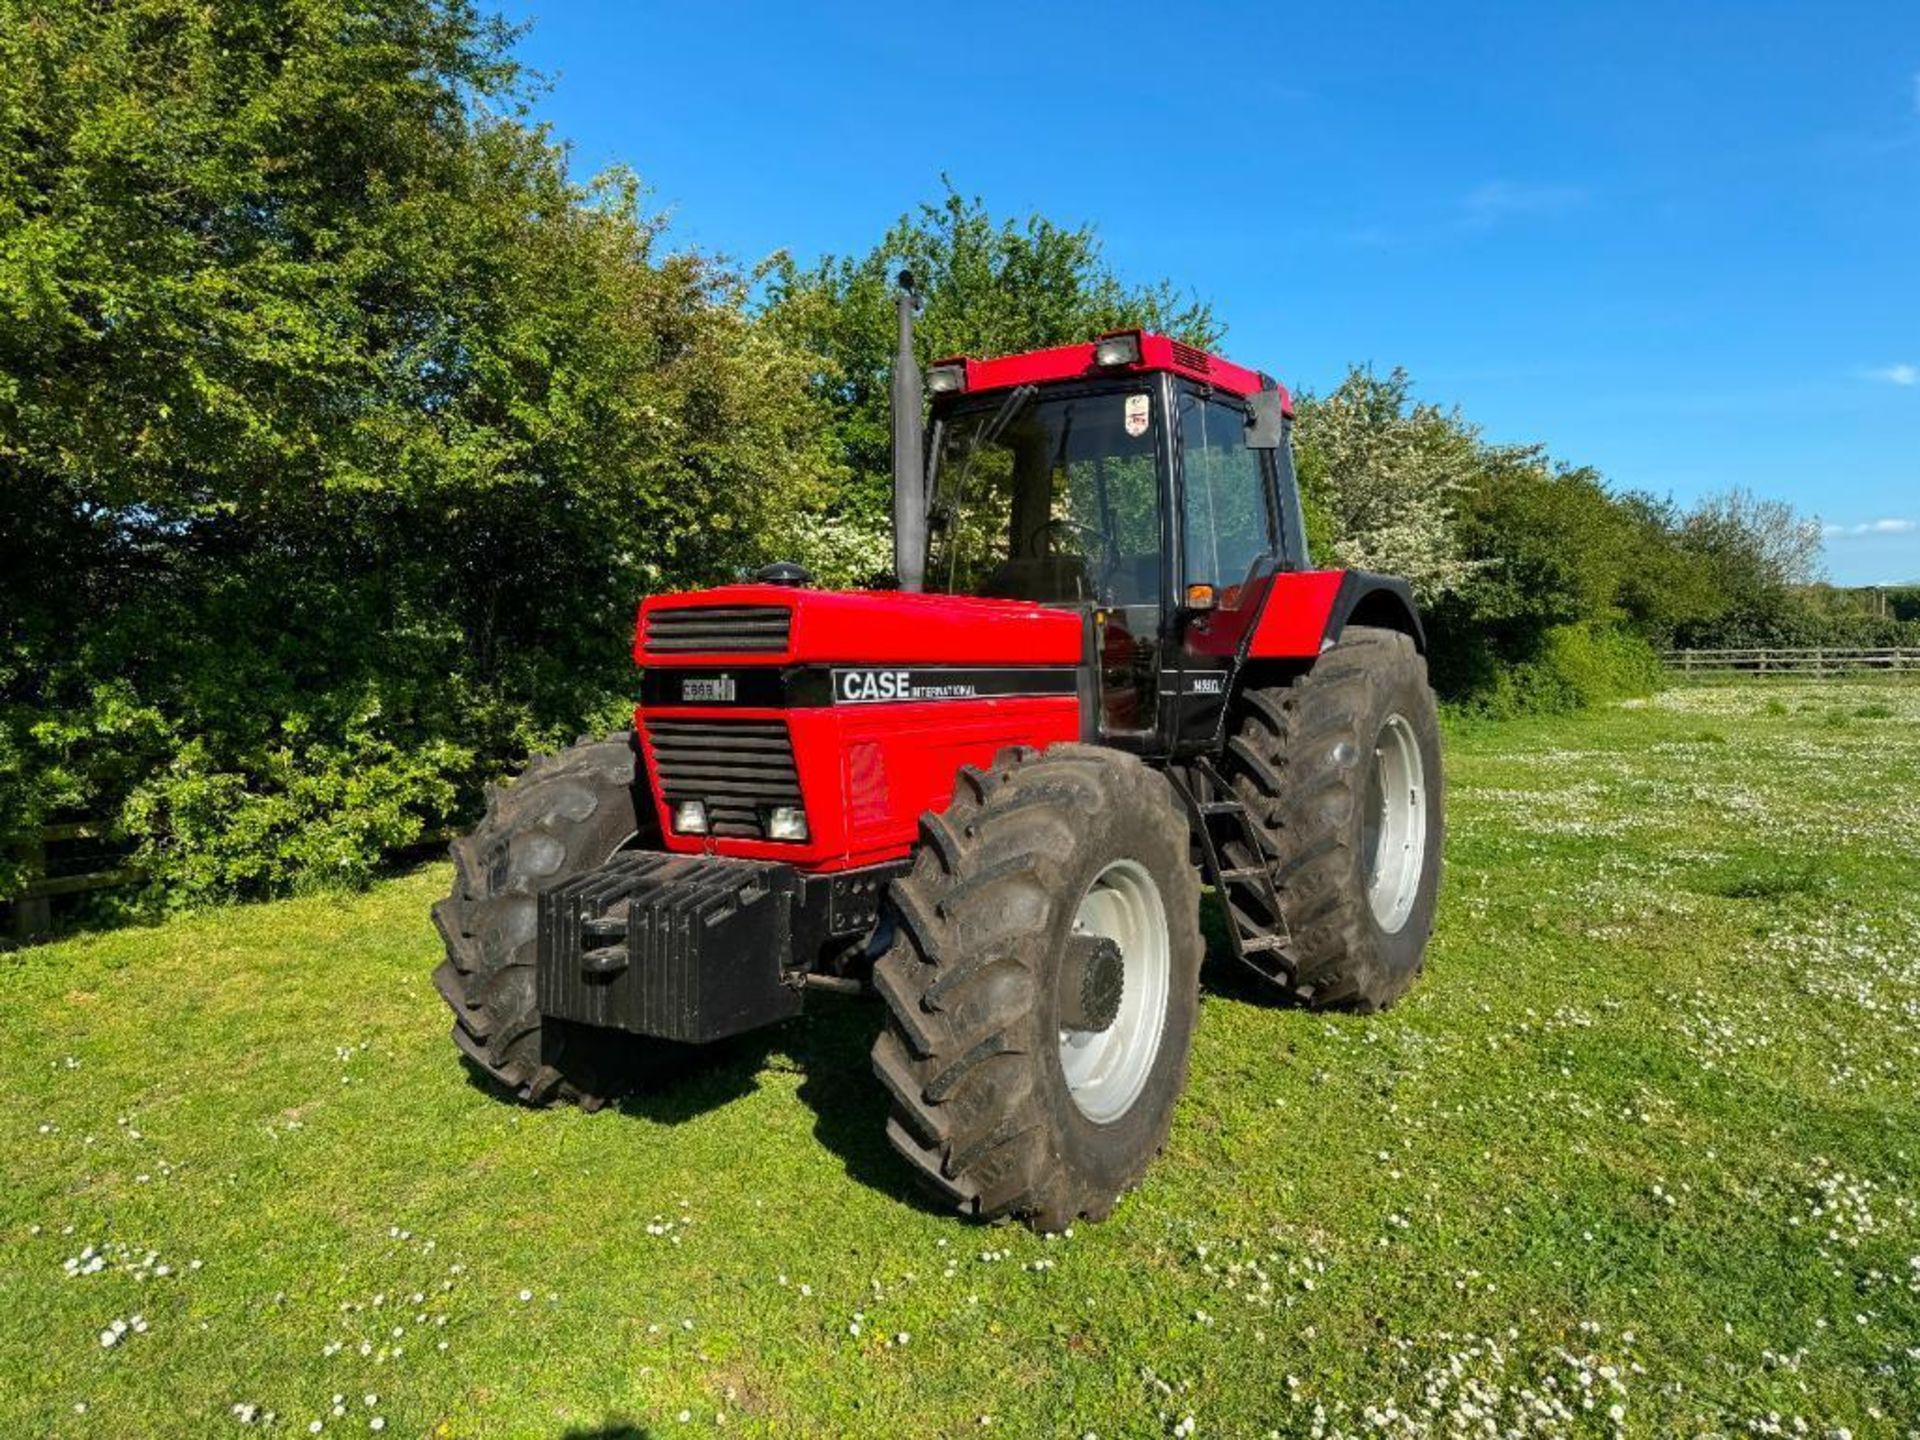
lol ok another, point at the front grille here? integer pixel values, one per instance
(736, 768)
(716, 628)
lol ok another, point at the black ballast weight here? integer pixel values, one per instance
(680, 947)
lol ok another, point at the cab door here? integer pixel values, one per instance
(1123, 485)
(1232, 540)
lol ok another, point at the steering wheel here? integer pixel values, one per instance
(1062, 522)
(1097, 555)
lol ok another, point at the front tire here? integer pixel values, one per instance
(1042, 986)
(1341, 772)
(566, 814)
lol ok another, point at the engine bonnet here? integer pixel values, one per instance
(778, 624)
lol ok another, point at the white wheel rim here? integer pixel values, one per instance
(1106, 1070)
(1394, 824)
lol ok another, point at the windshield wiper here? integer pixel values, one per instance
(1014, 403)
(1016, 400)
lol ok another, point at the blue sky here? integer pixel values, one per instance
(1677, 241)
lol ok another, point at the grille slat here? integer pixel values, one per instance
(706, 788)
(718, 628)
(720, 782)
(1191, 358)
(747, 745)
(728, 735)
(747, 763)
(736, 768)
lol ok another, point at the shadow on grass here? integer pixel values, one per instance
(828, 1047)
(1767, 877)
(705, 1077)
(679, 1086)
(612, 1430)
(1220, 973)
(849, 1103)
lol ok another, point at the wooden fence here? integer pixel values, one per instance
(32, 909)
(1804, 660)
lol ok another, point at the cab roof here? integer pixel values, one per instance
(1076, 362)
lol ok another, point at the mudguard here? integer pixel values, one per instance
(1306, 610)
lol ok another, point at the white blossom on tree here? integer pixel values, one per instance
(1383, 472)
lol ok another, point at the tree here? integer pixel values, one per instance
(1381, 475)
(1755, 554)
(339, 427)
(1753, 543)
(1664, 588)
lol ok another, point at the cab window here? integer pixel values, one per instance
(1227, 514)
(1054, 498)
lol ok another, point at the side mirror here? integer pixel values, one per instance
(1266, 420)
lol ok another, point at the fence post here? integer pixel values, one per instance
(33, 914)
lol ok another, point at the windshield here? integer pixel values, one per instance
(1054, 499)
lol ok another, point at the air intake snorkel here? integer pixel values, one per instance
(909, 452)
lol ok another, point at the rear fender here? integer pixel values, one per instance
(1301, 613)
(1306, 610)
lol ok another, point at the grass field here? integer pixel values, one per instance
(1641, 1155)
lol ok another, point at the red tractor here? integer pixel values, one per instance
(988, 789)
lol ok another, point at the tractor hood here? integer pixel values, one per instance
(782, 624)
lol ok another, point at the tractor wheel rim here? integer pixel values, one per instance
(1106, 1070)
(1394, 824)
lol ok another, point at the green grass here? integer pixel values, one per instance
(1647, 1135)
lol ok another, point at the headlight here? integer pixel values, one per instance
(945, 379)
(690, 818)
(786, 822)
(1121, 349)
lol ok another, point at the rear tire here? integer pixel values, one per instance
(1001, 1105)
(566, 814)
(1308, 760)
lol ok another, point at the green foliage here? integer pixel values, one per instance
(1574, 666)
(1546, 589)
(1663, 588)
(1829, 615)
(296, 818)
(1538, 621)
(1549, 546)
(339, 428)
(1526, 566)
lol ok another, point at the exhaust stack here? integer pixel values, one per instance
(909, 450)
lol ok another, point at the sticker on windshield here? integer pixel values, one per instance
(1138, 408)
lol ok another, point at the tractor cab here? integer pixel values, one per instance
(1140, 480)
